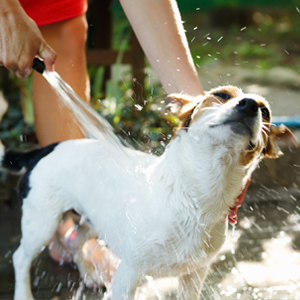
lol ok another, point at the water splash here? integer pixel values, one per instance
(90, 122)
(81, 110)
(152, 285)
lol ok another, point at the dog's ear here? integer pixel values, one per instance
(279, 135)
(180, 105)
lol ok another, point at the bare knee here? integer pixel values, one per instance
(67, 36)
(75, 32)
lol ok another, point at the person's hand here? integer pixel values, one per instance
(21, 40)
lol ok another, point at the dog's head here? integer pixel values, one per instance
(230, 117)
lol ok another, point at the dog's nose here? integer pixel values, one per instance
(247, 106)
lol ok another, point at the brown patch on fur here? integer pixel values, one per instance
(247, 156)
(279, 134)
(188, 109)
(179, 103)
(210, 99)
(183, 106)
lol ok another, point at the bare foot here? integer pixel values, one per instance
(58, 251)
(95, 262)
(104, 261)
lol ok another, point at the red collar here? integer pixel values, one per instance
(232, 216)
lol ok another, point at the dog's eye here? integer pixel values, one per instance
(223, 96)
(265, 113)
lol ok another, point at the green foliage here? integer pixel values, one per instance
(96, 75)
(272, 40)
(26, 90)
(226, 3)
(146, 127)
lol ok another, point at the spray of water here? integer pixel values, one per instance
(90, 122)
(97, 127)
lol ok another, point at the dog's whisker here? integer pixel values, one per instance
(218, 103)
(210, 108)
(263, 131)
(272, 124)
(260, 141)
(265, 127)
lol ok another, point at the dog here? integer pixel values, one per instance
(162, 216)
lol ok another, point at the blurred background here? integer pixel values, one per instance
(252, 44)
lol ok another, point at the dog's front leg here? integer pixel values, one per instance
(190, 284)
(125, 283)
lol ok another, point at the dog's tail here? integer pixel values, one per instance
(16, 160)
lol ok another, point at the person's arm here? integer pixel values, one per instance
(21, 40)
(158, 27)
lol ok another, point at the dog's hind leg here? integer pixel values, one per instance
(125, 283)
(190, 284)
(38, 226)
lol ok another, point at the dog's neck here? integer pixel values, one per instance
(200, 176)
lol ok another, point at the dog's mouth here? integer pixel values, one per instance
(241, 127)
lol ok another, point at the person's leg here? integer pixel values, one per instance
(54, 123)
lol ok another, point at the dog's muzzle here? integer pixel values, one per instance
(248, 107)
(244, 117)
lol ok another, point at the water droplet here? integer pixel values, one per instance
(59, 286)
(36, 281)
(7, 254)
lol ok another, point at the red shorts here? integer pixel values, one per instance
(45, 12)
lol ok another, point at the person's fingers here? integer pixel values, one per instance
(10, 64)
(23, 73)
(24, 66)
(48, 55)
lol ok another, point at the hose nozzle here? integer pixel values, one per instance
(38, 65)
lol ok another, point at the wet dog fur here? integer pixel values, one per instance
(162, 216)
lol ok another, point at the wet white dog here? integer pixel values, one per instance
(162, 216)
